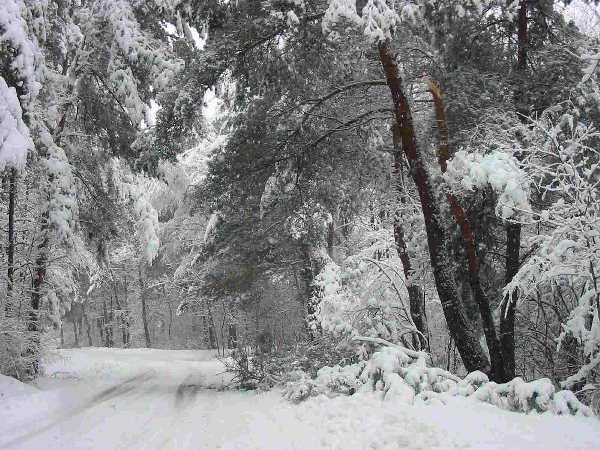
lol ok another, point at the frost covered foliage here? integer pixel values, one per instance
(379, 19)
(20, 53)
(565, 167)
(362, 296)
(16, 39)
(14, 134)
(62, 192)
(264, 370)
(398, 374)
(15, 361)
(365, 294)
(138, 189)
(138, 47)
(308, 223)
(278, 187)
(500, 171)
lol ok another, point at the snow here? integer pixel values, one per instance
(211, 226)
(14, 134)
(498, 170)
(379, 20)
(117, 364)
(97, 398)
(13, 34)
(9, 387)
(149, 225)
(137, 47)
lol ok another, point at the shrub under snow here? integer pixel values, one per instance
(399, 374)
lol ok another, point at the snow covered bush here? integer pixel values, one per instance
(398, 374)
(365, 295)
(564, 267)
(259, 369)
(19, 349)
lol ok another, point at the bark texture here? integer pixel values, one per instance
(513, 230)
(461, 330)
(483, 304)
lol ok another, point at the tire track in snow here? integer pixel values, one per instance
(186, 392)
(103, 396)
(185, 397)
(155, 431)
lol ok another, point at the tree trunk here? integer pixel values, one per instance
(106, 326)
(415, 294)
(170, 313)
(144, 308)
(88, 328)
(513, 230)
(483, 304)
(75, 333)
(330, 238)
(461, 330)
(507, 313)
(12, 194)
(36, 293)
(232, 332)
(100, 323)
(126, 335)
(306, 275)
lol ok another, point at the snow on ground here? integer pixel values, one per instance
(9, 387)
(104, 364)
(99, 398)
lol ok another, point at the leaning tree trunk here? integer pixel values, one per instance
(483, 304)
(461, 330)
(415, 294)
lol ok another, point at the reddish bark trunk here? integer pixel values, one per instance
(461, 330)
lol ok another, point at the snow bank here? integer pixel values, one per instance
(9, 387)
(401, 375)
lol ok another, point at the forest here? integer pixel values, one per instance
(332, 192)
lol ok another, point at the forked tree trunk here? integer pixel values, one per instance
(461, 330)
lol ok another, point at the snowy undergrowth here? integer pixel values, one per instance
(397, 374)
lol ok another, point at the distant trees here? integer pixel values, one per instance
(83, 76)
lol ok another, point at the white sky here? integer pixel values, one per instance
(585, 16)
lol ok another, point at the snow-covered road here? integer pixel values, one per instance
(147, 399)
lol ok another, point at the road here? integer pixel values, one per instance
(104, 399)
(154, 399)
